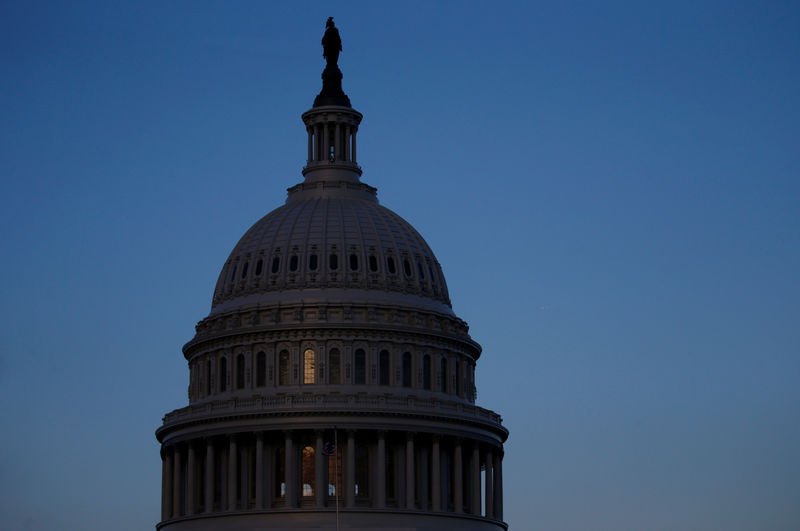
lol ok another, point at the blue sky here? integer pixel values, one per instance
(612, 189)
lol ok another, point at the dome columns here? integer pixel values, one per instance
(332, 144)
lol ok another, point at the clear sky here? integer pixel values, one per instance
(612, 189)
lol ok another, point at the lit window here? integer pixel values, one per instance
(309, 364)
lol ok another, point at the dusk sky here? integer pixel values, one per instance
(612, 190)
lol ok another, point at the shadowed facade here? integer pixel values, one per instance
(331, 382)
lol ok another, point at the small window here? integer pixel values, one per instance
(383, 367)
(276, 264)
(244, 269)
(240, 371)
(233, 274)
(407, 267)
(312, 262)
(309, 367)
(293, 263)
(259, 267)
(354, 262)
(333, 262)
(373, 263)
(390, 265)
(261, 369)
(283, 368)
(360, 367)
(335, 366)
(406, 369)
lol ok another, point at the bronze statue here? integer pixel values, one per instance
(331, 43)
(332, 93)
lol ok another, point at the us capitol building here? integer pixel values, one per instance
(331, 386)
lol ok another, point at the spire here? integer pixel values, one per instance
(332, 93)
(331, 123)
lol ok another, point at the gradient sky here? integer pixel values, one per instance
(612, 189)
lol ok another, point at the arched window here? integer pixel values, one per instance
(360, 371)
(354, 262)
(406, 369)
(383, 367)
(390, 265)
(309, 367)
(307, 479)
(373, 263)
(240, 371)
(283, 368)
(276, 264)
(259, 266)
(407, 267)
(261, 369)
(293, 263)
(244, 269)
(333, 262)
(443, 383)
(426, 372)
(312, 262)
(223, 374)
(335, 366)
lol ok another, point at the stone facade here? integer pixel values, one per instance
(332, 384)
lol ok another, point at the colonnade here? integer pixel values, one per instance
(303, 469)
(331, 142)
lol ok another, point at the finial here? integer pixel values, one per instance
(332, 93)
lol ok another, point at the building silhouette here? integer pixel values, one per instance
(331, 384)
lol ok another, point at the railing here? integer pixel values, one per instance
(317, 402)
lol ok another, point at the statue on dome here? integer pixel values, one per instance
(332, 93)
(331, 43)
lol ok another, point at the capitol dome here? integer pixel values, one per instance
(331, 385)
(332, 241)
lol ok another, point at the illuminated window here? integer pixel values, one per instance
(309, 365)
(308, 471)
(283, 368)
(335, 366)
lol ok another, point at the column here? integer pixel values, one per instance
(350, 471)
(260, 470)
(268, 475)
(191, 483)
(177, 482)
(380, 471)
(489, 494)
(436, 475)
(475, 505)
(410, 480)
(166, 485)
(309, 130)
(326, 143)
(355, 129)
(321, 485)
(346, 155)
(338, 143)
(423, 479)
(209, 494)
(498, 485)
(458, 478)
(233, 476)
(290, 472)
